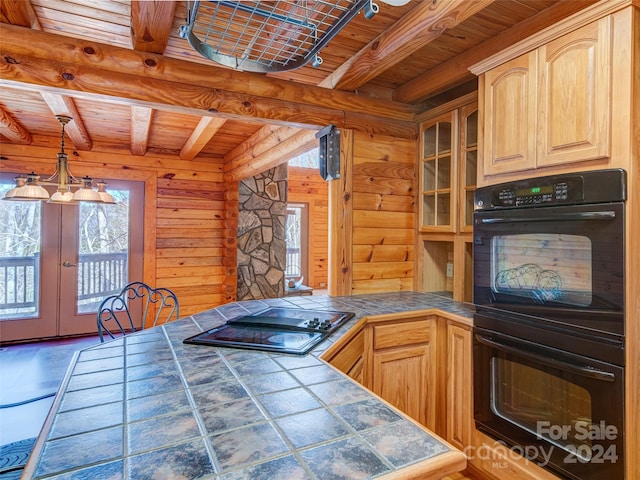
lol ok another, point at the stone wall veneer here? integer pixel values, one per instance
(262, 250)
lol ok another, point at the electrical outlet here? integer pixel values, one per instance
(449, 269)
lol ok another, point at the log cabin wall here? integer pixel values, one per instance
(307, 186)
(190, 239)
(185, 244)
(383, 188)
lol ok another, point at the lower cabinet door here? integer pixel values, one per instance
(400, 377)
(459, 407)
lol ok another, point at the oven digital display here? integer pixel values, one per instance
(523, 192)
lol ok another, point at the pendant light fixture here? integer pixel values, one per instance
(30, 187)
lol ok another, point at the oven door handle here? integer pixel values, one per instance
(582, 370)
(562, 217)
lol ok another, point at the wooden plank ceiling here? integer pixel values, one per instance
(393, 66)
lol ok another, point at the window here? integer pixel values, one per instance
(297, 241)
(306, 160)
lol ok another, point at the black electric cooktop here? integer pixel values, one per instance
(284, 330)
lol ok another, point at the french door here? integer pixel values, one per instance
(57, 262)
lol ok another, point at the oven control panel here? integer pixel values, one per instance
(569, 189)
(560, 192)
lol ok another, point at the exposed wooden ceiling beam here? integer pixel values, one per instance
(264, 139)
(18, 12)
(30, 57)
(201, 135)
(63, 105)
(12, 130)
(86, 56)
(140, 128)
(414, 30)
(392, 46)
(151, 23)
(253, 141)
(188, 99)
(299, 142)
(456, 71)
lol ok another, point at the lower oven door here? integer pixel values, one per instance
(560, 410)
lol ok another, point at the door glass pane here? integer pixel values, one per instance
(444, 137)
(472, 130)
(545, 267)
(444, 172)
(468, 207)
(103, 250)
(20, 238)
(443, 208)
(535, 397)
(429, 209)
(471, 168)
(429, 176)
(430, 141)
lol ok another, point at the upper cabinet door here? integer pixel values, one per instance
(468, 164)
(438, 173)
(574, 115)
(510, 116)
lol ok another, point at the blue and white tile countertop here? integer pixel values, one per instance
(148, 406)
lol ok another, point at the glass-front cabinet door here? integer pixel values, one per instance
(469, 163)
(437, 174)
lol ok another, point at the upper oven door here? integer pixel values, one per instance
(560, 263)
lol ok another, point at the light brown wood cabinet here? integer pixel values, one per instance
(400, 366)
(448, 166)
(447, 174)
(509, 99)
(399, 376)
(468, 165)
(550, 106)
(586, 73)
(347, 355)
(438, 173)
(459, 403)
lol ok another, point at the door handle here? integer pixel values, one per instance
(68, 264)
(563, 217)
(584, 370)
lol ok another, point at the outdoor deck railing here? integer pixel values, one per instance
(294, 262)
(18, 280)
(99, 275)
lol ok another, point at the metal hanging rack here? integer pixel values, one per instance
(271, 36)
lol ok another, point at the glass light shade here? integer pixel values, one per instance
(104, 195)
(20, 194)
(62, 197)
(27, 188)
(86, 195)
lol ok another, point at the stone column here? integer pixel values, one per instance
(262, 213)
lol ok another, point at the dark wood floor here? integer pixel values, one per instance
(29, 371)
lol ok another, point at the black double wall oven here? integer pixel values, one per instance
(549, 325)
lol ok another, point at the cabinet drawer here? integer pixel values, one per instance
(397, 334)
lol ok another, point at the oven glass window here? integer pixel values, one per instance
(543, 268)
(543, 403)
